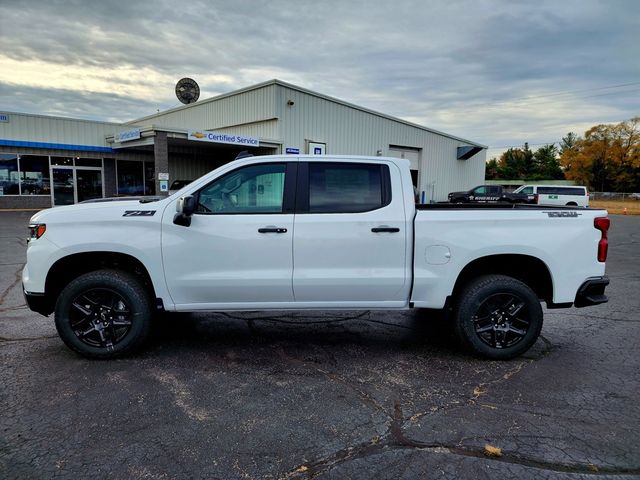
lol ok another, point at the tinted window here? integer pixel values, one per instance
(346, 187)
(252, 189)
(561, 190)
(525, 190)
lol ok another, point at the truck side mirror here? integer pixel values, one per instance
(184, 209)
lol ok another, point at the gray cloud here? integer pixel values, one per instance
(465, 67)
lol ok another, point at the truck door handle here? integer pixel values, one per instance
(383, 228)
(272, 230)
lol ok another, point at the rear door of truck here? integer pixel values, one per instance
(350, 234)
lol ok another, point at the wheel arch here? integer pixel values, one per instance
(528, 269)
(72, 266)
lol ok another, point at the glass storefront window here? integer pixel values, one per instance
(34, 175)
(9, 174)
(88, 162)
(62, 161)
(130, 177)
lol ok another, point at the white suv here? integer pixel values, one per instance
(574, 195)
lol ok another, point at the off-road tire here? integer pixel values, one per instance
(474, 310)
(125, 333)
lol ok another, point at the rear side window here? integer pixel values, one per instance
(348, 187)
(561, 191)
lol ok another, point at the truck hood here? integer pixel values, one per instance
(457, 194)
(96, 211)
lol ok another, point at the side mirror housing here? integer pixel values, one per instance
(184, 209)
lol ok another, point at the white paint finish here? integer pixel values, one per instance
(338, 257)
(223, 259)
(568, 246)
(223, 263)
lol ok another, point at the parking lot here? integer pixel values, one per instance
(323, 395)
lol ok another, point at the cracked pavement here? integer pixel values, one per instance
(323, 394)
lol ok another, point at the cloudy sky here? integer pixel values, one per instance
(497, 72)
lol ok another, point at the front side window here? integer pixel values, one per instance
(346, 187)
(252, 189)
(480, 190)
(526, 190)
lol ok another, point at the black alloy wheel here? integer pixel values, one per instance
(100, 318)
(104, 314)
(497, 317)
(502, 320)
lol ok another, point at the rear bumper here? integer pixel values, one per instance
(37, 302)
(591, 292)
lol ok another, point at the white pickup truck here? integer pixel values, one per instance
(333, 232)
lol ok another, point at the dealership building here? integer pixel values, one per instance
(49, 161)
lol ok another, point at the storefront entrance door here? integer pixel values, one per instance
(63, 184)
(73, 184)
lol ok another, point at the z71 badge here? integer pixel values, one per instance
(139, 213)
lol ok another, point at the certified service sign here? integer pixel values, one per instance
(217, 137)
(133, 134)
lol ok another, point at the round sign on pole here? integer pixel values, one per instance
(187, 90)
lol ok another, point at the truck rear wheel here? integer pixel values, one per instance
(497, 317)
(103, 314)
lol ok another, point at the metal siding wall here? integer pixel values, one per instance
(233, 110)
(349, 131)
(36, 128)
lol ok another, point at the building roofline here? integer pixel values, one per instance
(307, 92)
(57, 117)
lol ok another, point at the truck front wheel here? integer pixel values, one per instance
(497, 317)
(103, 314)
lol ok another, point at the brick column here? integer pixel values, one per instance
(161, 159)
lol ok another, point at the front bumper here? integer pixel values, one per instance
(591, 292)
(38, 302)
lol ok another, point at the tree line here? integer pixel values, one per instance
(605, 159)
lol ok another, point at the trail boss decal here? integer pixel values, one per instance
(563, 214)
(139, 213)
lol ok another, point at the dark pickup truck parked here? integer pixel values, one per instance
(489, 193)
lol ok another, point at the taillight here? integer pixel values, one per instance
(602, 224)
(535, 198)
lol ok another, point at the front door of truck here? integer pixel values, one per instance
(350, 244)
(237, 252)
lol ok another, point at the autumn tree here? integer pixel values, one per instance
(606, 159)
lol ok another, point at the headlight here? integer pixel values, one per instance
(36, 230)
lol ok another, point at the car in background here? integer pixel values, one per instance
(635, 196)
(489, 194)
(570, 195)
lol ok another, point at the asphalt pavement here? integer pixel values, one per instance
(324, 394)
